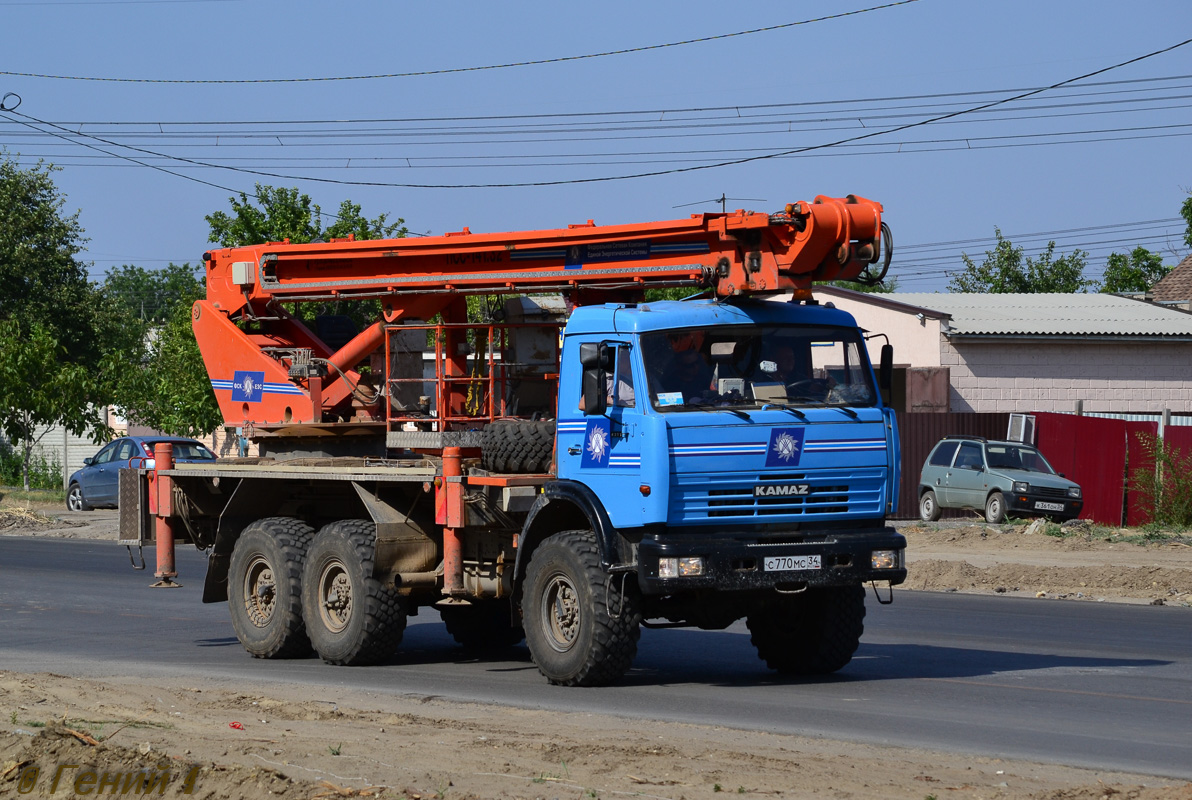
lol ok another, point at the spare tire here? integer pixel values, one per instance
(518, 446)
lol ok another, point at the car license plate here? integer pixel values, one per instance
(1042, 506)
(790, 563)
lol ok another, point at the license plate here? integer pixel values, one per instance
(790, 563)
(1042, 506)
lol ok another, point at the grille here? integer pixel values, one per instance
(728, 497)
(1048, 491)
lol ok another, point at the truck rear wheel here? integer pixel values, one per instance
(518, 446)
(813, 633)
(486, 624)
(351, 617)
(265, 587)
(582, 625)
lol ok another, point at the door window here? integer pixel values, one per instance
(942, 457)
(969, 457)
(105, 455)
(125, 451)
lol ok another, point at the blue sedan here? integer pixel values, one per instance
(98, 482)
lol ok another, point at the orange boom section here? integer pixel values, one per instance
(258, 355)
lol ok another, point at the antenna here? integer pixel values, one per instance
(723, 202)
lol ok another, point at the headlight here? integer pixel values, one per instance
(884, 559)
(1021, 487)
(1073, 491)
(680, 567)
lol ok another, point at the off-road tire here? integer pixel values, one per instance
(352, 618)
(485, 625)
(518, 446)
(76, 500)
(265, 587)
(929, 507)
(582, 625)
(995, 508)
(812, 633)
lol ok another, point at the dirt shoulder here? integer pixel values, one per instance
(1072, 562)
(258, 741)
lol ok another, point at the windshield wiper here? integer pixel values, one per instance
(785, 407)
(718, 407)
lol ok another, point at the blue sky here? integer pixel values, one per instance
(1101, 164)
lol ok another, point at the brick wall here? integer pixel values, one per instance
(1007, 376)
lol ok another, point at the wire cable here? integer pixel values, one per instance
(650, 174)
(452, 70)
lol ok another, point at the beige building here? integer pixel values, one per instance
(1029, 352)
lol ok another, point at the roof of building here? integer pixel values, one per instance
(977, 314)
(1176, 285)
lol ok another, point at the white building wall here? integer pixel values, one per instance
(916, 341)
(1006, 376)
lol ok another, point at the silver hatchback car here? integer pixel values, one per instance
(999, 478)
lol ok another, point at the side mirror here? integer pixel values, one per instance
(885, 374)
(88, 461)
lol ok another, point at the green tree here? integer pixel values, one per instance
(1186, 213)
(1007, 269)
(40, 386)
(1136, 272)
(276, 214)
(40, 279)
(152, 295)
(170, 391)
(60, 338)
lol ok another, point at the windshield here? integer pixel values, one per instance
(1013, 456)
(750, 366)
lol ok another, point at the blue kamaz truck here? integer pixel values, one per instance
(563, 470)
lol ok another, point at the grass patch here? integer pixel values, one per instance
(19, 498)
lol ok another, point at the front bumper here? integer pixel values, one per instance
(1033, 505)
(738, 563)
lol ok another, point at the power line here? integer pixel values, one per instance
(654, 173)
(656, 113)
(534, 161)
(424, 73)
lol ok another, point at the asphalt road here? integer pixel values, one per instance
(1099, 685)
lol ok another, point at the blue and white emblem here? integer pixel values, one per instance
(248, 386)
(598, 441)
(785, 448)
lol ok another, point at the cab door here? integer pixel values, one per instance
(607, 457)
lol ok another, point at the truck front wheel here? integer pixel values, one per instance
(351, 617)
(265, 587)
(813, 633)
(582, 625)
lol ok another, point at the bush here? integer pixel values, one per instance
(43, 473)
(1164, 490)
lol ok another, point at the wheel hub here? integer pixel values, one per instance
(335, 589)
(260, 592)
(560, 613)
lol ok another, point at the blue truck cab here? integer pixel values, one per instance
(739, 462)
